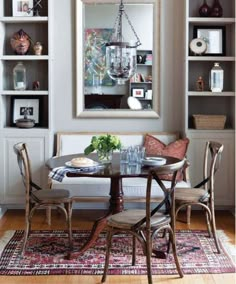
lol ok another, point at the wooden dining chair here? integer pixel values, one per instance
(145, 224)
(203, 193)
(36, 197)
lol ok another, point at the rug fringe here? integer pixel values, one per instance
(5, 239)
(229, 247)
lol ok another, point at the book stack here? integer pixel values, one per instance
(148, 59)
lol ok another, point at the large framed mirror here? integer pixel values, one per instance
(97, 95)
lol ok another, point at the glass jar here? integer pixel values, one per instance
(216, 78)
(19, 77)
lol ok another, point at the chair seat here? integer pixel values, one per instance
(191, 195)
(47, 194)
(127, 219)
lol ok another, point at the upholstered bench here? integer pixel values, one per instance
(94, 192)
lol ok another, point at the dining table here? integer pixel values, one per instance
(115, 171)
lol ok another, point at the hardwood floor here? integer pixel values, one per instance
(14, 219)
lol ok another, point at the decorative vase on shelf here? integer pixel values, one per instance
(204, 10)
(216, 78)
(19, 77)
(216, 9)
(104, 157)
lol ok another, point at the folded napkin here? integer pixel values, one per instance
(59, 173)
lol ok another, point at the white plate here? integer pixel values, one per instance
(134, 103)
(154, 161)
(69, 164)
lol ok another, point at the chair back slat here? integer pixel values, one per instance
(24, 165)
(212, 160)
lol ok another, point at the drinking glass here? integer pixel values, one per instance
(124, 155)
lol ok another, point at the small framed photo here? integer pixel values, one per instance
(214, 36)
(22, 8)
(138, 93)
(26, 105)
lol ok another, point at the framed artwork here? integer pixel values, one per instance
(94, 57)
(22, 8)
(29, 105)
(214, 36)
(138, 93)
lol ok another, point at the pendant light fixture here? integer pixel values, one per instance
(121, 61)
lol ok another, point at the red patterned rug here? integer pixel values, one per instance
(46, 250)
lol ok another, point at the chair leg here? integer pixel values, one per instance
(26, 235)
(213, 224)
(173, 242)
(208, 223)
(68, 207)
(134, 251)
(148, 256)
(109, 238)
(49, 215)
(188, 214)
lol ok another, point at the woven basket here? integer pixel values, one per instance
(209, 121)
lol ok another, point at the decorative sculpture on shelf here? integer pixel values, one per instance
(20, 42)
(200, 84)
(36, 8)
(25, 122)
(38, 48)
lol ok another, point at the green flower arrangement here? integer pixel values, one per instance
(104, 145)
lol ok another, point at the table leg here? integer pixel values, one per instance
(116, 206)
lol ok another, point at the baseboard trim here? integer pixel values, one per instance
(3, 210)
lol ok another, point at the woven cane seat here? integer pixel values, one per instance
(127, 219)
(190, 195)
(47, 194)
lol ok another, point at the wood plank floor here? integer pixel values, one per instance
(14, 219)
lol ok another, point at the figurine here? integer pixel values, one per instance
(38, 48)
(200, 84)
(36, 85)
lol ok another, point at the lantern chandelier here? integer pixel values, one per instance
(121, 60)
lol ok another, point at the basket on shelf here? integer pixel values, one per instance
(209, 121)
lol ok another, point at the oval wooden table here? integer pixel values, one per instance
(115, 171)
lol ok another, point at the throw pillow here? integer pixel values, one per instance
(177, 149)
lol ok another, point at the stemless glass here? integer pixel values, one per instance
(124, 155)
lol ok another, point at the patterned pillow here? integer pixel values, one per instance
(177, 149)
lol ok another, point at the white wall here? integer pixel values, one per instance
(172, 74)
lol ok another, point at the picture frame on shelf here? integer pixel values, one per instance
(33, 104)
(22, 8)
(214, 36)
(138, 92)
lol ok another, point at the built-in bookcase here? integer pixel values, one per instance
(209, 103)
(38, 68)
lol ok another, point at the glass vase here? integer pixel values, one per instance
(216, 9)
(216, 78)
(104, 157)
(204, 10)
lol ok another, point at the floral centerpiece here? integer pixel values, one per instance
(104, 145)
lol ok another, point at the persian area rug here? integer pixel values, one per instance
(46, 251)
